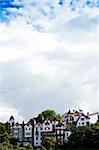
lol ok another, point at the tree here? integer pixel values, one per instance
(7, 127)
(49, 142)
(43, 148)
(29, 147)
(48, 114)
(85, 137)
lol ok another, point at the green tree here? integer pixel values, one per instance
(29, 147)
(22, 148)
(87, 137)
(7, 127)
(49, 143)
(48, 114)
(43, 148)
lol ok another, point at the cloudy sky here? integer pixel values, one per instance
(48, 56)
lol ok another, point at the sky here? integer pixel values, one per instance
(48, 57)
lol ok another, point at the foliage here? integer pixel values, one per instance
(29, 147)
(48, 114)
(85, 137)
(41, 148)
(49, 142)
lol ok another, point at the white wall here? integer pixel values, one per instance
(81, 121)
(47, 126)
(28, 130)
(37, 135)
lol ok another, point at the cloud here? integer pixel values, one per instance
(55, 67)
(7, 110)
(25, 45)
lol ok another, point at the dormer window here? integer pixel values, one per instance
(82, 119)
(47, 123)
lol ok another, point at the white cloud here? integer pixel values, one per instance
(55, 68)
(18, 41)
(7, 110)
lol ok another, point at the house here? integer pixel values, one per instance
(47, 126)
(62, 134)
(47, 130)
(59, 129)
(22, 132)
(37, 135)
(28, 134)
(44, 129)
(83, 120)
(17, 131)
(75, 117)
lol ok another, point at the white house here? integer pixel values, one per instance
(28, 130)
(37, 135)
(47, 126)
(83, 121)
(28, 134)
(17, 131)
(78, 118)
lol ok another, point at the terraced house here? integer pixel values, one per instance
(35, 133)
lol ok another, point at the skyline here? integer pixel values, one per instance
(48, 58)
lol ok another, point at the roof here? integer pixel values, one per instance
(11, 118)
(60, 124)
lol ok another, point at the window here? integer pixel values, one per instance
(61, 131)
(82, 123)
(36, 138)
(37, 133)
(70, 119)
(67, 134)
(36, 143)
(58, 137)
(47, 123)
(28, 133)
(82, 119)
(58, 131)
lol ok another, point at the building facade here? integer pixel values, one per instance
(36, 133)
(77, 118)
